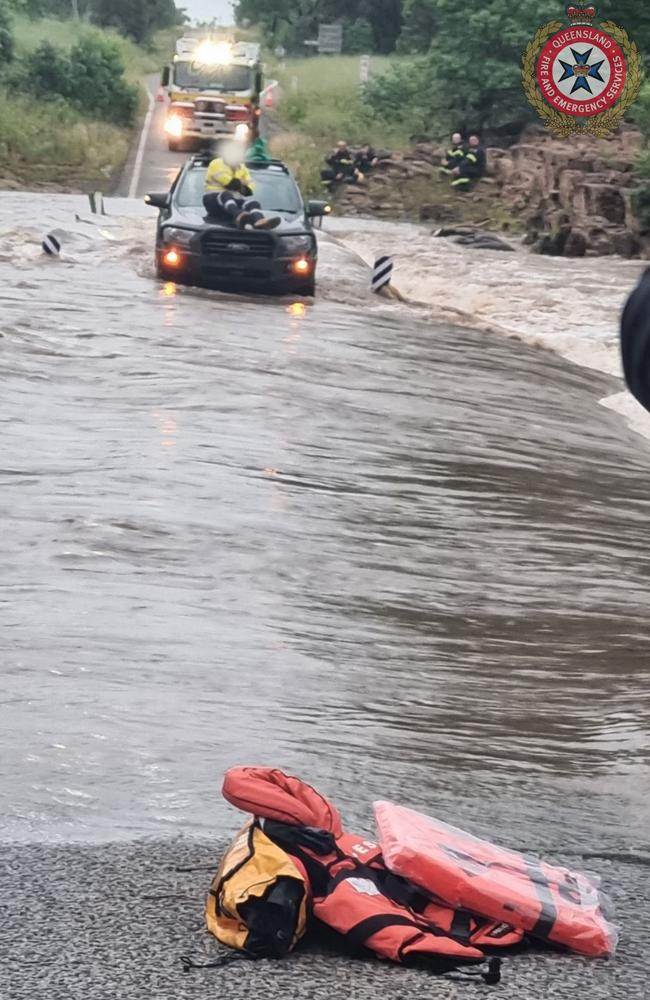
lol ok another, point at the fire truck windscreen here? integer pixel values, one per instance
(226, 79)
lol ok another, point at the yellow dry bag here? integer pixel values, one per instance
(258, 901)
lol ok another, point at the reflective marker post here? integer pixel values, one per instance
(382, 273)
(97, 203)
(51, 245)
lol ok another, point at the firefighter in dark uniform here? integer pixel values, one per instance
(364, 161)
(340, 166)
(454, 155)
(472, 167)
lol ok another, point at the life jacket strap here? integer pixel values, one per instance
(361, 932)
(189, 965)
(491, 976)
(548, 910)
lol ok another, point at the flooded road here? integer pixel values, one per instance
(398, 558)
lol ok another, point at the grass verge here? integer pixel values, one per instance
(51, 146)
(48, 145)
(138, 61)
(321, 102)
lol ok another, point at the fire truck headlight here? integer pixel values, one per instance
(174, 126)
(210, 53)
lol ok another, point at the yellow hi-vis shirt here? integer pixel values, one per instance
(220, 175)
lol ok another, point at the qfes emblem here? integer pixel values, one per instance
(581, 77)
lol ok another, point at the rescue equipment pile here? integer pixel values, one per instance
(427, 895)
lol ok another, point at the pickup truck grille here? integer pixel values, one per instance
(238, 245)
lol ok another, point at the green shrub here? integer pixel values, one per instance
(90, 78)
(98, 84)
(400, 95)
(46, 72)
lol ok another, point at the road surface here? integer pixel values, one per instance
(151, 166)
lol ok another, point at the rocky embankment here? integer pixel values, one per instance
(574, 196)
(571, 198)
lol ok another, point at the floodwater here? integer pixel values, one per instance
(399, 558)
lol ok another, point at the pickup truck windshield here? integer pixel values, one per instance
(225, 79)
(275, 190)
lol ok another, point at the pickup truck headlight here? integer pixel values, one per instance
(291, 245)
(182, 237)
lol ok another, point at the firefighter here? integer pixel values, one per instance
(229, 192)
(340, 166)
(454, 155)
(364, 161)
(472, 167)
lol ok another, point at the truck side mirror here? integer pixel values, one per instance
(317, 209)
(157, 200)
(166, 74)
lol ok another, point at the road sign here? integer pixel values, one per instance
(330, 39)
(364, 69)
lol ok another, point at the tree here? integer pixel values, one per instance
(6, 34)
(471, 75)
(635, 18)
(294, 21)
(57, 8)
(358, 37)
(137, 18)
(419, 26)
(385, 17)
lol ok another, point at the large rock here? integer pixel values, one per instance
(576, 244)
(574, 194)
(606, 201)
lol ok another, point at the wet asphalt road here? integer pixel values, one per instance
(157, 166)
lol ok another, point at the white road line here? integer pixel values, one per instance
(137, 167)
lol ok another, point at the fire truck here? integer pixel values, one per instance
(213, 88)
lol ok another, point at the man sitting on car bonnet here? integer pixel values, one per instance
(229, 192)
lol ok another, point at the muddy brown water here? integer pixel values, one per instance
(400, 559)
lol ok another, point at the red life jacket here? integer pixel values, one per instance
(355, 895)
(353, 892)
(272, 794)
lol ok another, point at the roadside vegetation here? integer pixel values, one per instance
(436, 66)
(322, 101)
(460, 65)
(70, 89)
(641, 198)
